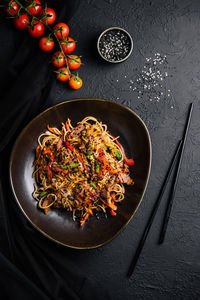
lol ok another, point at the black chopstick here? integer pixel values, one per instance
(153, 213)
(173, 190)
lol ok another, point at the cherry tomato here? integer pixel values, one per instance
(58, 59)
(68, 45)
(21, 22)
(12, 8)
(48, 16)
(74, 62)
(46, 43)
(75, 82)
(37, 29)
(61, 30)
(34, 7)
(62, 74)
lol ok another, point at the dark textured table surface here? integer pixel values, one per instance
(168, 33)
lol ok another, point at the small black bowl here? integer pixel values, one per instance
(115, 45)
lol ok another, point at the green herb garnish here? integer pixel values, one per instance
(74, 165)
(94, 185)
(97, 169)
(43, 194)
(89, 153)
(118, 155)
(64, 167)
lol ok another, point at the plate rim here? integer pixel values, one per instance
(146, 181)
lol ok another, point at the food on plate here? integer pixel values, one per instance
(82, 169)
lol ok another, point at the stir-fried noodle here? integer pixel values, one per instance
(81, 168)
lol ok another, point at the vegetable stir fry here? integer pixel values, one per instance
(81, 169)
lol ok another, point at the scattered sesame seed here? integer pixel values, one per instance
(150, 84)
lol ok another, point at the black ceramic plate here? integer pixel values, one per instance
(58, 224)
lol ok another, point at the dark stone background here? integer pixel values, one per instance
(171, 28)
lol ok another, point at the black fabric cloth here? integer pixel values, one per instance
(32, 267)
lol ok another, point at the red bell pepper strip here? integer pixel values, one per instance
(105, 163)
(82, 162)
(102, 158)
(59, 144)
(111, 205)
(112, 212)
(48, 151)
(37, 151)
(82, 222)
(67, 126)
(128, 161)
(67, 144)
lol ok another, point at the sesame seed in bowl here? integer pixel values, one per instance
(115, 45)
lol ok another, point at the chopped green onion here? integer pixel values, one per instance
(89, 153)
(71, 197)
(94, 185)
(97, 169)
(118, 155)
(43, 194)
(74, 165)
(64, 167)
(107, 149)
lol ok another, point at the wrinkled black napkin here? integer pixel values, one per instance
(32, 267)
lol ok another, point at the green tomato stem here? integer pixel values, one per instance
(49, 28)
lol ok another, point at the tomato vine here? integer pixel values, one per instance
(27, 16)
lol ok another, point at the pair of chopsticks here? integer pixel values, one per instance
(179, 152)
